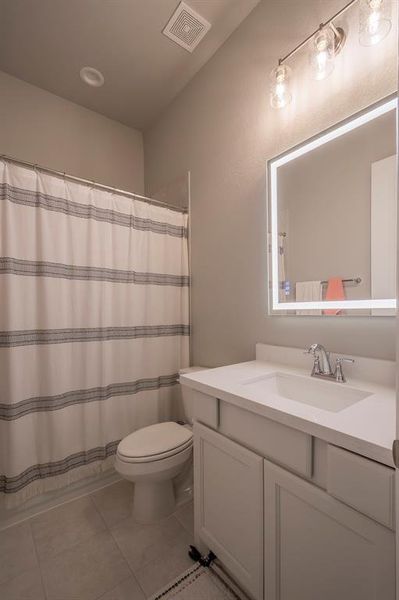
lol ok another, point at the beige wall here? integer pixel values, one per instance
(222, 129)
(45, 129)
(174, 192)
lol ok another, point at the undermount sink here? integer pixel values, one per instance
(326, 395)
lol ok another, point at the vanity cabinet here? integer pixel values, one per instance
(228, 481)
(318, 548)
(318, 525)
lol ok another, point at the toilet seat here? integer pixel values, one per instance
(155, 443)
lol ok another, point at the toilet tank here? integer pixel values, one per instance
(186, 394)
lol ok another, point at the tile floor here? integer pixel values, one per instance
(92, 549)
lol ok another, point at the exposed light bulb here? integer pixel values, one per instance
(375, 21)
(323, 53)
(280, 95)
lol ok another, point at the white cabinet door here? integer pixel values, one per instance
(316, 548)
(228, 503)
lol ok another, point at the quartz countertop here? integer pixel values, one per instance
(366, 427)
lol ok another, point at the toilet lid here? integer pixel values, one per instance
(154, 440)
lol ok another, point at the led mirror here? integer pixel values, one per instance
(332, 220)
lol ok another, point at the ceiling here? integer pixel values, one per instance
(47, 42)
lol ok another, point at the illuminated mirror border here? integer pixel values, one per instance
(337, 131)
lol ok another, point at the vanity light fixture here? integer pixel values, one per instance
(280, 94)
(375, 21)
(327, 41)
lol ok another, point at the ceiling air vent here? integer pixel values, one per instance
(186, 27)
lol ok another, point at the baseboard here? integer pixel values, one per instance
(49, 500)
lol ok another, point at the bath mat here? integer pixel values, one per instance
(197, 583)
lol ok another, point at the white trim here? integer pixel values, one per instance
(289, 156)
(353, 304)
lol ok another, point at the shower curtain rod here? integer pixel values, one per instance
(91, 183)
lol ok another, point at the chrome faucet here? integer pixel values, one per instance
(322, 366)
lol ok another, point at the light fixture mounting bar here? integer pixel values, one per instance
(306, 40)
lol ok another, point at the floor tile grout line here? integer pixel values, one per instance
(24, 571)
(121, 556)
(134, 571)
(132, 574)
(109, 530)
(140, 586)
(38, 560)
(108, 526)
(98, 511)
(143, 566)
(181, 521)
(150, 595)
(83, 541)
(187, 529)
(114, 588)
(74, 545)
(124, 556)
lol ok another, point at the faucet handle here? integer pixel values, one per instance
(341, 359)
(311, 349)
(339, 374)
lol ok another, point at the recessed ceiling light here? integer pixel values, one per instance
(92, 76)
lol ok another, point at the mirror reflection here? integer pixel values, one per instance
(334, 238)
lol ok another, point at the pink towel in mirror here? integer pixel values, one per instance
(335, 291)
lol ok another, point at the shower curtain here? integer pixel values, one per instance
(94, 325)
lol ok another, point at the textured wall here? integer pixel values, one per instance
(222, 129)
(42, 128)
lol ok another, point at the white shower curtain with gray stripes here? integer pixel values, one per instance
(93, 325)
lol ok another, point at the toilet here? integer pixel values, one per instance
(152, 457)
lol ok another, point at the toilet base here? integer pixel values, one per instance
(183, 485)
(153, 500)
(154, 491)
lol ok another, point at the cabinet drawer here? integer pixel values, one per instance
(365, 485)
(205, 408)
(283, 445)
